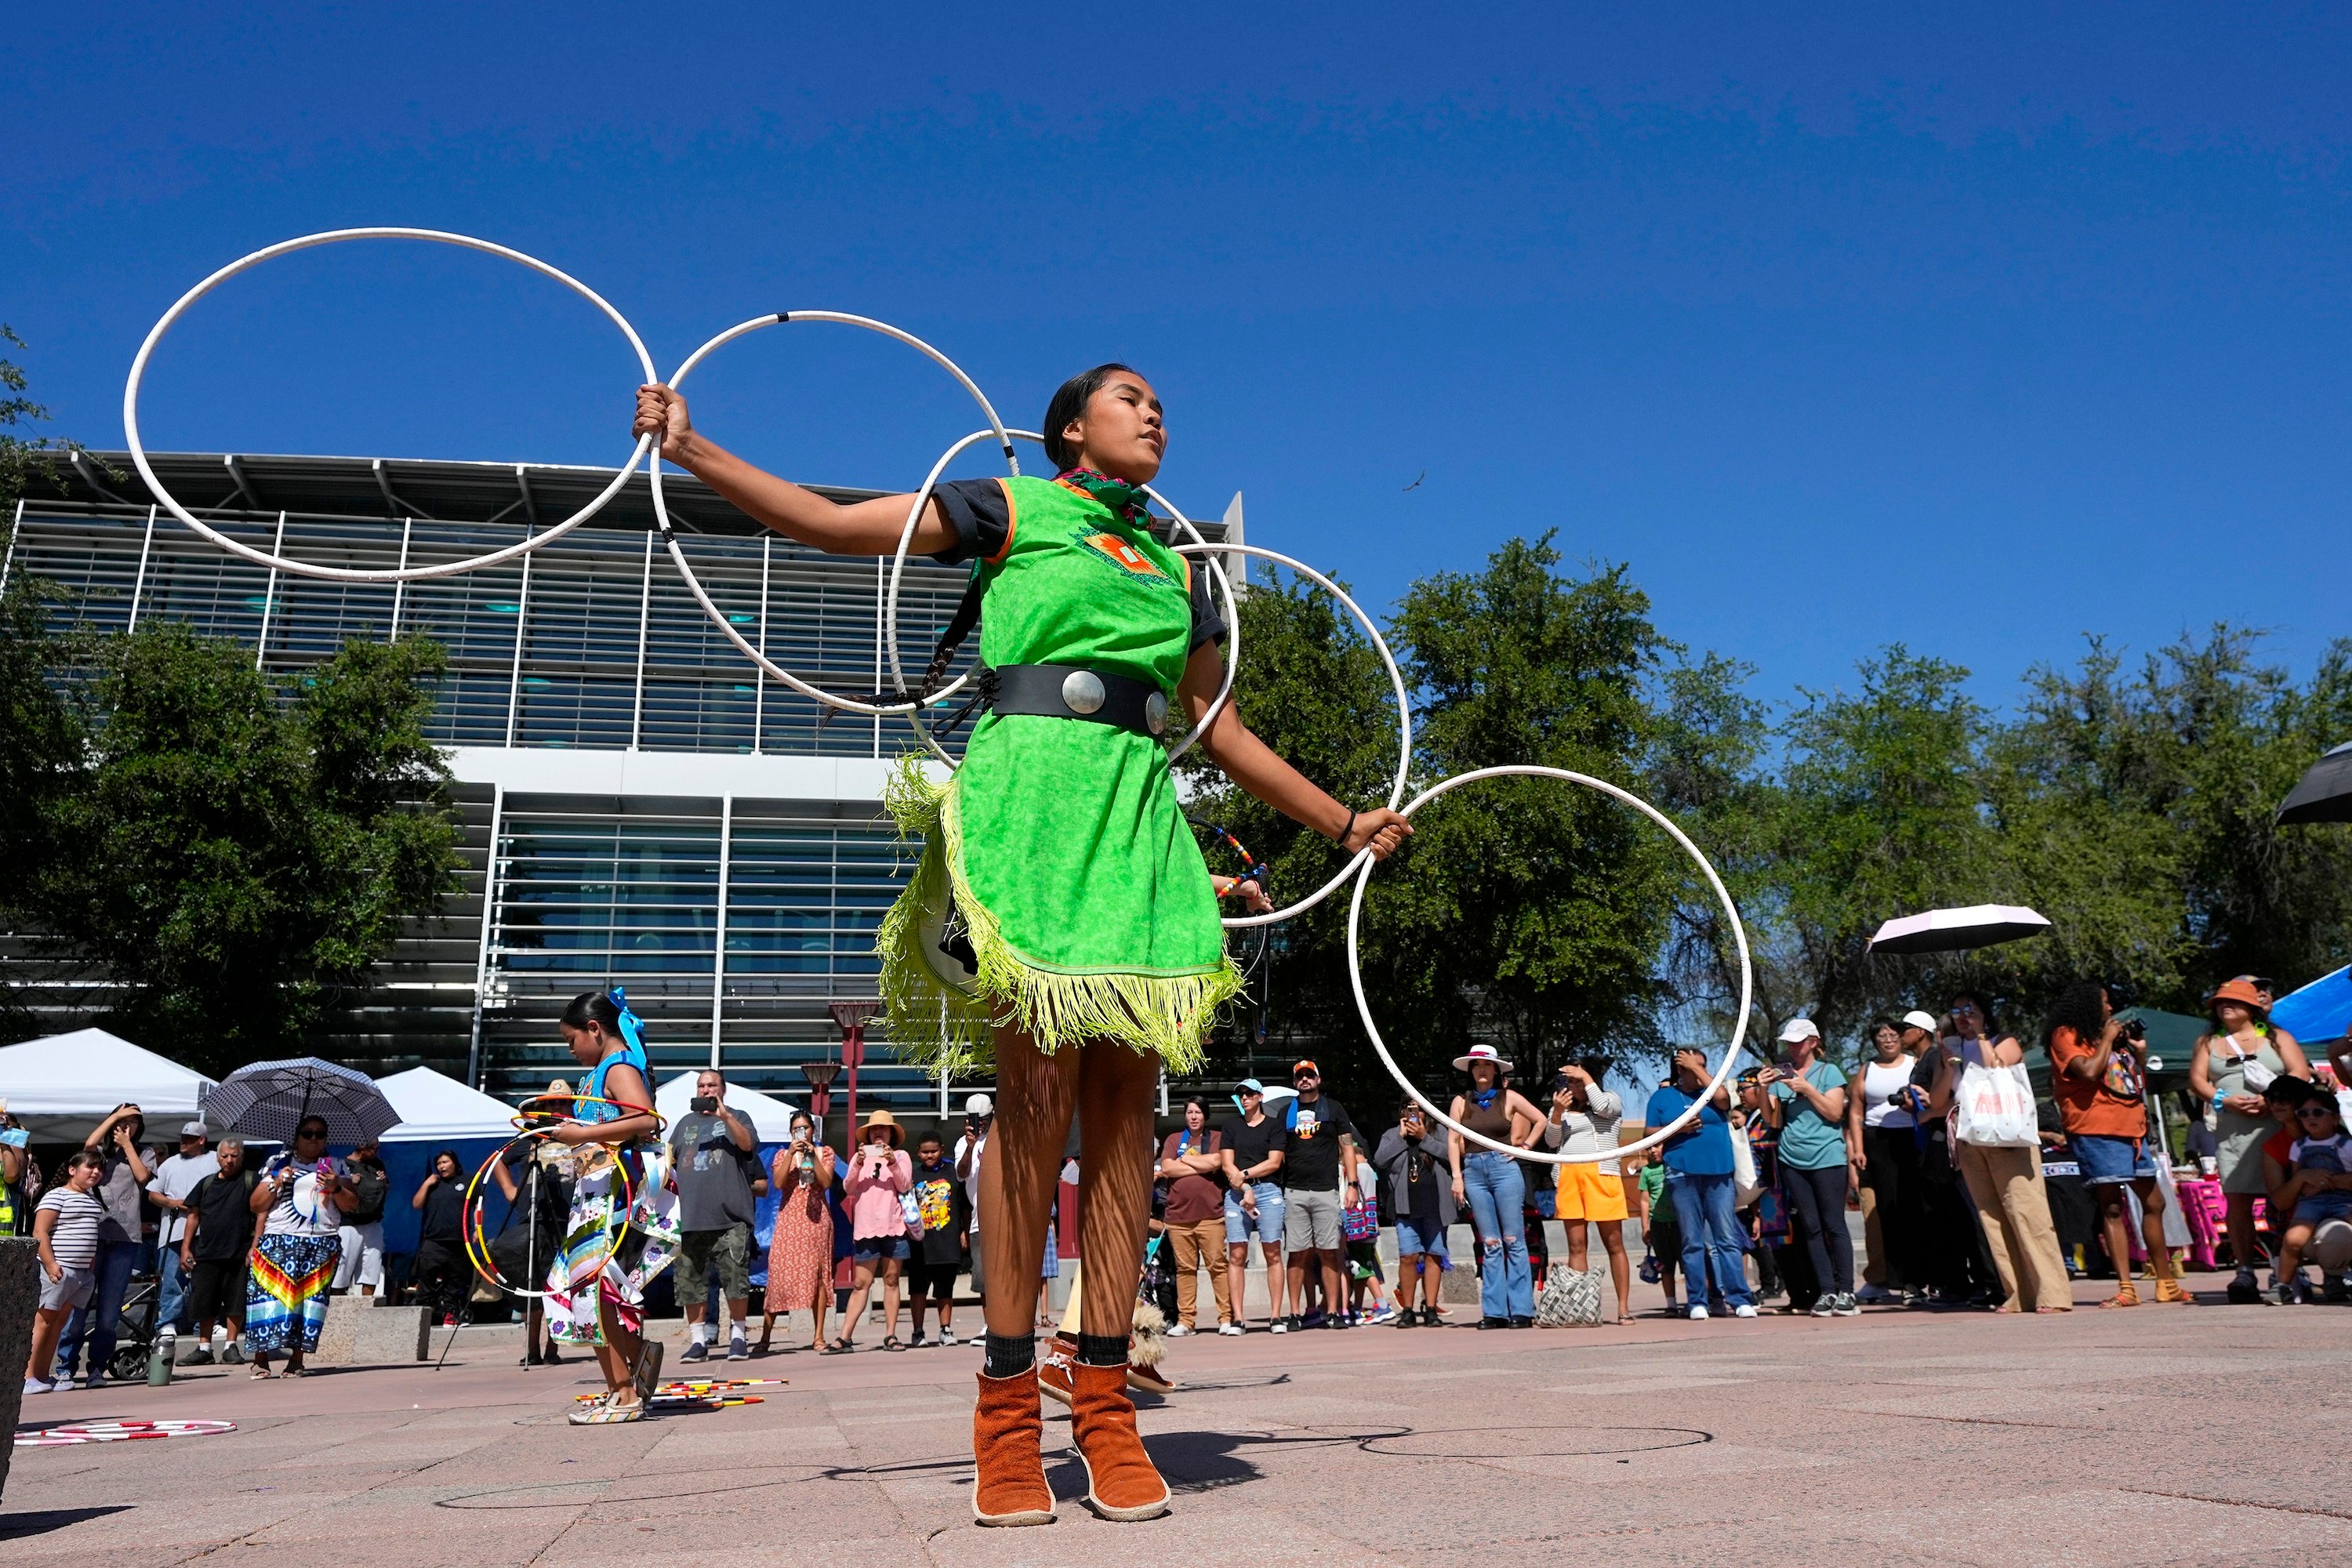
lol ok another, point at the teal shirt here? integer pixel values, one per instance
(1807, 1143)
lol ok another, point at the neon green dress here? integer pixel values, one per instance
(1060, 842)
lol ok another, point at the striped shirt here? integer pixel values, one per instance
(74, 1237)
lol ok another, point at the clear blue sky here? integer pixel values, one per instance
(1844, 326)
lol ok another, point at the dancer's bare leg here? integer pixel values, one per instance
(1036, 1094)
(1114, 1182)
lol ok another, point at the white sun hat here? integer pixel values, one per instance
(1482, 1054)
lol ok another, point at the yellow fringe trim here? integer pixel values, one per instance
(1164, 1014)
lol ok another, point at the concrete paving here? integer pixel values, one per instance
(2161, 1435)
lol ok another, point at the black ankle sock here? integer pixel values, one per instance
(1009, 1355)
(1102, 1349)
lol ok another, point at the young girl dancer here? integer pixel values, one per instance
(1069, 886)
(623, 1229)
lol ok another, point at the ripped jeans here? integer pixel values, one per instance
(1498, 1195)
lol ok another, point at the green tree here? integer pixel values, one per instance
(21, 456)
(229, 853)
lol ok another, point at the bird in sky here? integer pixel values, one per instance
(1417, 479)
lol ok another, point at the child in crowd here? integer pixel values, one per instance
(2317, 1188)
(1661, 1233)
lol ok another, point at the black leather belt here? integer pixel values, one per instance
(1074, 691)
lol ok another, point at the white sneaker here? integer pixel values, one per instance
(947, 1336)
(34, 1385)
(1743, 1311)
(1231, 1328)
(1177, 1330)
(1698, 1314)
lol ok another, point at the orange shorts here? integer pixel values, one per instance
(1587, 1191)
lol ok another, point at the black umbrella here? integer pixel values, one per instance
(269, 1100)
(1956, 930)
(2322, 795)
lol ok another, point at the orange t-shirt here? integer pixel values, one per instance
(2109, 1106)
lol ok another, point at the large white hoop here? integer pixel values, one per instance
(914, 514)
(1363, 859)
(170, 503)
(1738, 936)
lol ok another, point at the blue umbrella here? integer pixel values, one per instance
(2320, 1011)
(269, 1100)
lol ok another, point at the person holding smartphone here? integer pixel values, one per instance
(716, 1156)
(799, 1250)
(879, 1173)
(1415, 1160)
(2098, 1066)
(1584, 1121)
(1806, 1101)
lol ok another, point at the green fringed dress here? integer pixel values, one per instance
(1060, 841)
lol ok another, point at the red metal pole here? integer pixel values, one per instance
(852, 1051)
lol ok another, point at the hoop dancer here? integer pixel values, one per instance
(622, 1228)
(1059, 875)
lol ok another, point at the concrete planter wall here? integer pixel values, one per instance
(20, 1296)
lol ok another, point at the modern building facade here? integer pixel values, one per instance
(639, 807)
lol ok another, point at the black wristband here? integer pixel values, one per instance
(1342, 840)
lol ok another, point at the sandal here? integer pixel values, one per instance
(892, 1343)
(604, 1413)
(838, 1347)
(259, 1371)
(2127, 1296)
(2170, 1293)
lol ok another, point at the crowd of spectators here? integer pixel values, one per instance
(1935, 1158)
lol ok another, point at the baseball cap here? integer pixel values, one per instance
(1304, 1065)
(1920, 1020)
(1797, 1029)
(1248, 1086)
(980, 1105)
(194, 1129)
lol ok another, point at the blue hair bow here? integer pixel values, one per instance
(633, 1029)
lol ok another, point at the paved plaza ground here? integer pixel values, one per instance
(2212, 1435)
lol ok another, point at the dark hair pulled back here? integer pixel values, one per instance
(592, 1007)
(1070, 400)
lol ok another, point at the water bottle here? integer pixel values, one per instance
(159, 1359)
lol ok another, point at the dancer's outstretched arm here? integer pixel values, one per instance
(1251, 763)
(861, 528)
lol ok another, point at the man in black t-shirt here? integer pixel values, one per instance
(1318, 1154)
(1252, 1153)
(213, 1249)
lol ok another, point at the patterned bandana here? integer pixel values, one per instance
(1127, 501)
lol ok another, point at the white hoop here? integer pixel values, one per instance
(171, 503)
(1362, 858)
(914, 514)
(1738, 936)
(898, 571)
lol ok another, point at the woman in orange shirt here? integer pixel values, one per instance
(2098, 1074)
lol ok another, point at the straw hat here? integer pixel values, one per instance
(884, 1119)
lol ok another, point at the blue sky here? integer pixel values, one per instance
(1843, 326)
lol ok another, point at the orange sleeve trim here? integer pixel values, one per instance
(1012, 519)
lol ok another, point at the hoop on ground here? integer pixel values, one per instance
(1363, 859)
(694, 584)
(898, 573)
(170, 503)
(1738, 936)
(119, 1432)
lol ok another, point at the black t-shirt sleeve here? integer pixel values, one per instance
(1208, 614)
(979, 516)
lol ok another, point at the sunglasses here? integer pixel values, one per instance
(310, 1132)
(2316, 1110)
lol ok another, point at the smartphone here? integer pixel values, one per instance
(705, 1105)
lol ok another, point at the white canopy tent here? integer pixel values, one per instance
(436, 1108)
(63, 1085)
(770, 1118)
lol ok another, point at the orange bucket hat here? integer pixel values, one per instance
(2241, 992)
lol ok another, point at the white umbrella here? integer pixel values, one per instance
(1955, 930)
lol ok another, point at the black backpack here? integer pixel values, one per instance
(371, 1185)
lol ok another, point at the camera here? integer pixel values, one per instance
(705, 1105)
(2135, 1031)
(1561, 1083)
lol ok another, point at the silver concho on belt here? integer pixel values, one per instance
(1155, 712)
(1081, 692)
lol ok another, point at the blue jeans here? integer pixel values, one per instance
(171, 1289)
(1711, 1230)
(97, 1322)
(1498, 1195)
